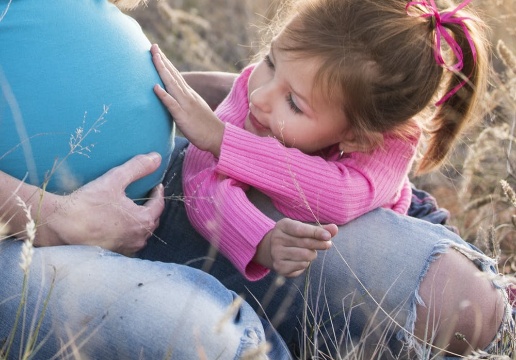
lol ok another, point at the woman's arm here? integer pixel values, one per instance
(99, 213)
(12, 215)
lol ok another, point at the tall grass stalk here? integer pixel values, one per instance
(20, 319)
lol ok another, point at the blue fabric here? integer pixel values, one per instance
(102, 305)
(424, 206)
(53, 82)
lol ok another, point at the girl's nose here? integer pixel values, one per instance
(261, 98)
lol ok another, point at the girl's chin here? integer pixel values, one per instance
(248, 126)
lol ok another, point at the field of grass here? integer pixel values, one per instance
(475, 185)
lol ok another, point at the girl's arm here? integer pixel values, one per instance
(217, 206)
(99, 213)
(219, 209)
(310, 188)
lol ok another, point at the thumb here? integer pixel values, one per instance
(331, 228)
(137, 168)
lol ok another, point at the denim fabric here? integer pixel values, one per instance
(424, 206)
(107, 306)
(360, 295)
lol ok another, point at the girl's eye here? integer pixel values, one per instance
(268, 62)
(293, 105)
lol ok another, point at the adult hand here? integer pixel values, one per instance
(291, 246)
(100, 213)
(192, 115)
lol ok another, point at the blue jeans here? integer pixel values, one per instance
(359, 296)
(102, 305)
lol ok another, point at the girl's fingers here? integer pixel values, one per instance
(291, 268)
(294, 255)
(169, 101)
(332, 229)
(163, 72)
(301, 230)
(178, 79)
(166, 74)
(156, 52)
(165, 59)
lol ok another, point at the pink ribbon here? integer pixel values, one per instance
(448, 17)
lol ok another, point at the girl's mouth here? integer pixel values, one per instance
(255, 123)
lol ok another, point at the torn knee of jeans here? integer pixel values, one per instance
(483, 263)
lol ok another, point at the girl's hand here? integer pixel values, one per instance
(99, 213)
(212, 86)
(192, 115)
(291, 246)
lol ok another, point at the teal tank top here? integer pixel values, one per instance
(76, 96)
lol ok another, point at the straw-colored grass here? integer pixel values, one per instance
(477, 183)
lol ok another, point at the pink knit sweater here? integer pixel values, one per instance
(325, 188)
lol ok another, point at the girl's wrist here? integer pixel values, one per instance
(216, 139)
(263, 252)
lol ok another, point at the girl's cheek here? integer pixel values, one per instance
(281, 128)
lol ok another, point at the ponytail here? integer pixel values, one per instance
(466, 82)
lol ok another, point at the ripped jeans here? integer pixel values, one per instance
(358, 298)
(102, 305)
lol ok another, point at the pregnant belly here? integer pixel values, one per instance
(64, 149)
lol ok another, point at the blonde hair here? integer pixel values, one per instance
(127, 4)
(379, 62)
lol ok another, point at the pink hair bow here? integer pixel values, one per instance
(448, 17)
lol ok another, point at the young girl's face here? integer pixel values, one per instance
(282, 104)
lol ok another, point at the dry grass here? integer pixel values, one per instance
(477, 183)
(204, 34)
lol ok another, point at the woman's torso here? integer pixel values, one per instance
(76, 95)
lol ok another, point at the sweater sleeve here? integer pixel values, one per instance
(311, 188)
(218, 208)
(217, 205)
(403, 204)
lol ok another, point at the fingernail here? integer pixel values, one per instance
(326, 235)
(154, 157)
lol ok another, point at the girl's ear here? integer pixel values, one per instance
(351, 143)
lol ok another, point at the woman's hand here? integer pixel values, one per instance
(291, 246)
(100, 213)
(192, 115)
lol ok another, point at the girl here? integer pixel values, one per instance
(390, 286)
(326, 124)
